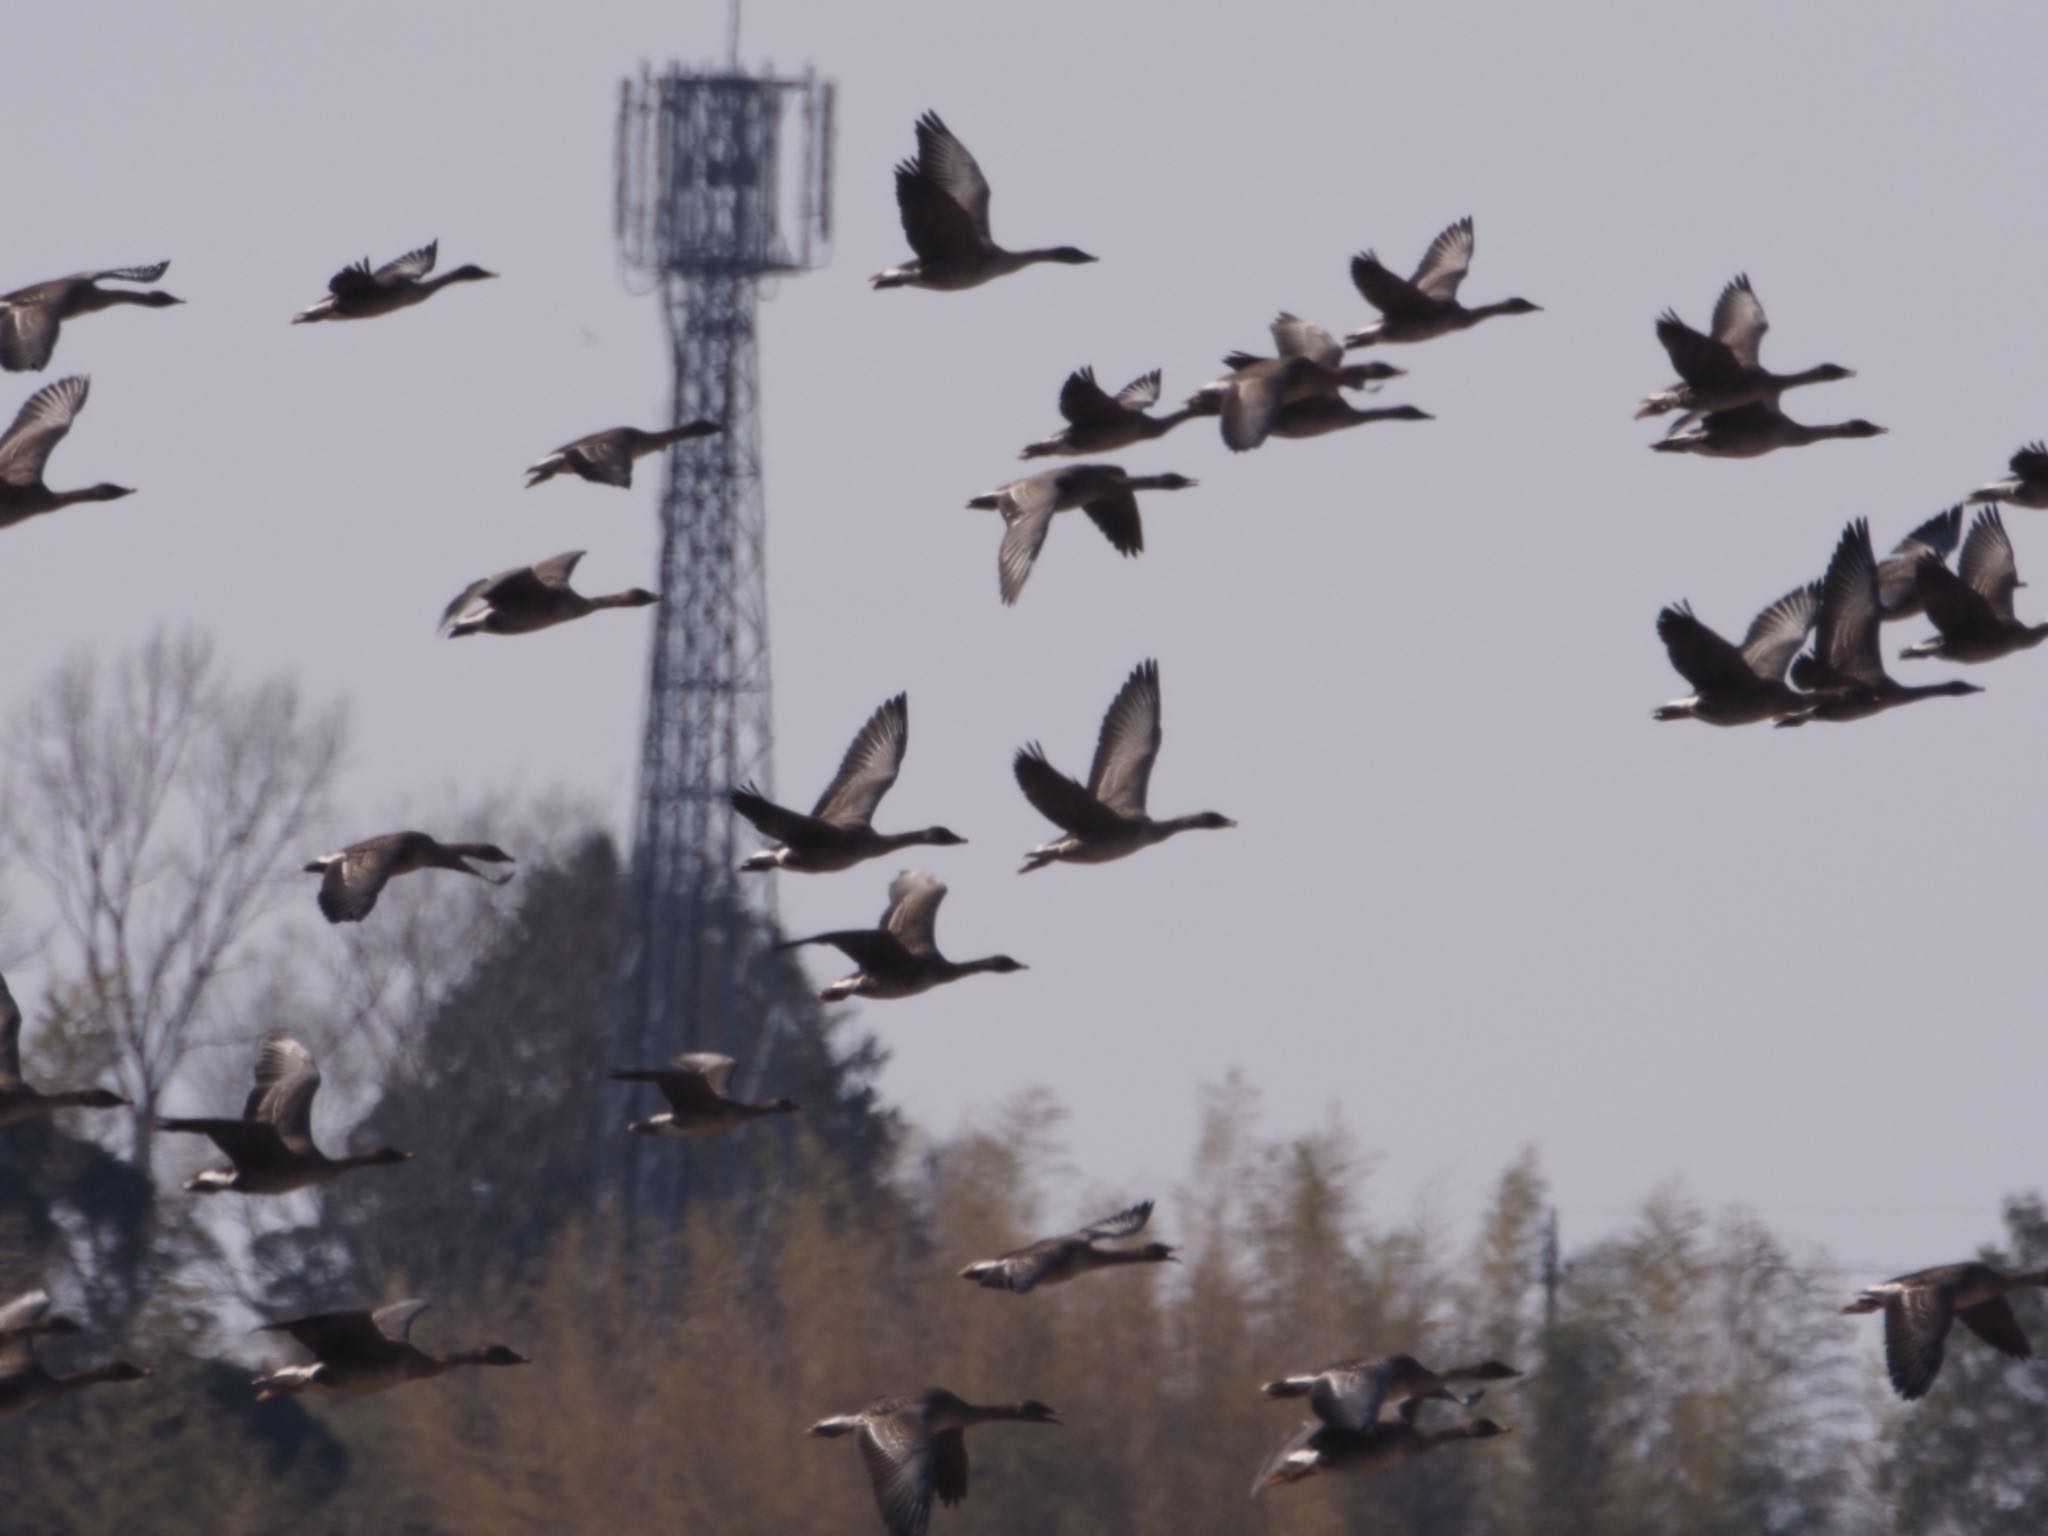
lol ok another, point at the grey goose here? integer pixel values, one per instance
(358, 292)
(356, 1354)
(1971, 606)
(1258, 391)
(25, 449)
(694, 1083)
(607, 457)
(24, 1381)
(2027, 485)
(1099, 422)
(899, 957)
(1919, 1307)
(1056, 1260)
(943, 199)
(30, 317)
(1317, 1447)
(1425, 306)
(1751, 431)
(1720, 371)
(271, 1146)
(1104, 491)
(351, 879)
(19, 1101)
(1105, 819)
(530, 598)
(1738, 685)
(915, 1448)
(838, 833)
(1351, 1394)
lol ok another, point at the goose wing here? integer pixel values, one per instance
(1027, 508)
(696, 1080)
(1846, 625)
(1300, 1438)
(395, 1320)
(410, 267)
(10, 1035)
(22, 1313)
(1387, 291)
(1128, 1222)
(1128, 744)
(554, 571)
(350, 883)
(1699, 655)
(1916, 1320)
(1739, 322)
(28, 334)
(913, 913)
(286, 1080)
(2031, 462)
(897, 1448)
(1141, 394)
(1994, 1323)
(942, 197)
(1699, 359)
(1020, 1271)
(1059, 799)
(869, 767)
(1938, 536)
(1988, 563)
(1445, 263)
(1348, 1396)
(1251, 403)
(1084, 404)
(1296, 337)
(1116, 515)
(1953, 606)
(944, 160)
(335, 1335)
(1776, 634)
(38, 427)
(602, 456)
(770, 819)
(949, 1465)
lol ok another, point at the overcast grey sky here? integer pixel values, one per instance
(1477, 898)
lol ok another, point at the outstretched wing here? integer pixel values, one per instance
(1445, 263)
(1703, 658)
(1776, 634)
(944, 161)
(1128, 744)
(1349, 1396)
(1296, 337)
(410, 267)
(1385, 291)
(869, 767)
(1988, 563)
(1061, 800)
(1699, 359)
(1847, 622)
(1993, 1322)
(395, 1320)
(913, 914)
(28, 334)
(770, 819)
(286, 1080)
(38, 427)
(1084, 404)
(1027, 518)
(333, 1335)
(1739, 322)
(1916, 1321)
(1128, 1222)
(897, 1449)
(1141, 394)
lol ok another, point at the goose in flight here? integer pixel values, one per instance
(1720, 371)
(1919, 1307)
(1425, 306)
(915, 1447)
(358, 1353)
(1260, 392)
(24, 1382)
(1055, 1260)
(25, 449)
(1099, 422)
(2027, 485)
(607, 457)
(30, 317)
(900, 957)
(529, 598)
(18, 1100)
(358, 293)
(1971, 606)
(351, 879)
(1751, 431)
(1103, 491)
(1738, 685)
(694, 1084)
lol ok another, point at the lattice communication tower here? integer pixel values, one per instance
(724, 180)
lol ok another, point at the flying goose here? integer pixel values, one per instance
(1106, 819)
(358, 1353)
(2027, 485)
(25, 448)
(351, 879)
(1919, 1307)
(24, 1383)
(1098, 422)
(30, 317)
(1055, 1260)
(943, 198)
(1720, 371)
(1751, 431)
(1425, 306)
(694, 1085)
(837, 834)
(916, 1446)
(1898, 590)
(1103, 491)
(528, 598)
(271, 1146)
(1846, 671)
(899, 957)
(19, 1101)
(1972, 606)
(1350, 1394)
(1738, 685)
(357, 293)
(1256, 394)
(1316, 1447)
(606, 458)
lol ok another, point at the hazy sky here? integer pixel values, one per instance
(1477, 898)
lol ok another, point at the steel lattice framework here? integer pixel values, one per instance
(706, 207)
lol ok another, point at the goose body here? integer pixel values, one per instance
(351, 879)
(1315, 1448)
(1972, 607)
(915, 1449)
(900, 957)
(19, 1101)
(1738, 685)
(1352, 1394)
(356, 1354)
(943, 199)
(271, 1147)
(2027, 485)
(1721, 371)
(1104, 491)
(1106, 818)
(359, 293)
(31, 317)
(607, 457)
(1918, 1309)
(694, 1084)
(1056, 1260)
(24, 1382)
(838, 833)
(1099, 422)
(529, 598)
(25, 449)
(1424, 306)
(1751, 431)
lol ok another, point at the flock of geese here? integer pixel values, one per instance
(1366, 1413)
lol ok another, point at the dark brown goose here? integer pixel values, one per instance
(694, 1084)
(351, 879)
(356, 1354)
(1721, 371)
(358, 293)
(1738, 685)
(606, 458)
(529, 598)
(943, 198)
(1106, 819)
(1316, 1447)
(24, 1383)
(1352, 1393)
(1425, 306)
(1103, 491)
(916, 1447)
(1098, 422)
(271, 1146)
(1971, 606)
(25, 448)
(900, 956)
(1260, 392)
(30, 317)
(1919, 1307)
(1751, 431)
(19, 1101)
(2027, 485)
(1056, 1260)
(838, 833)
